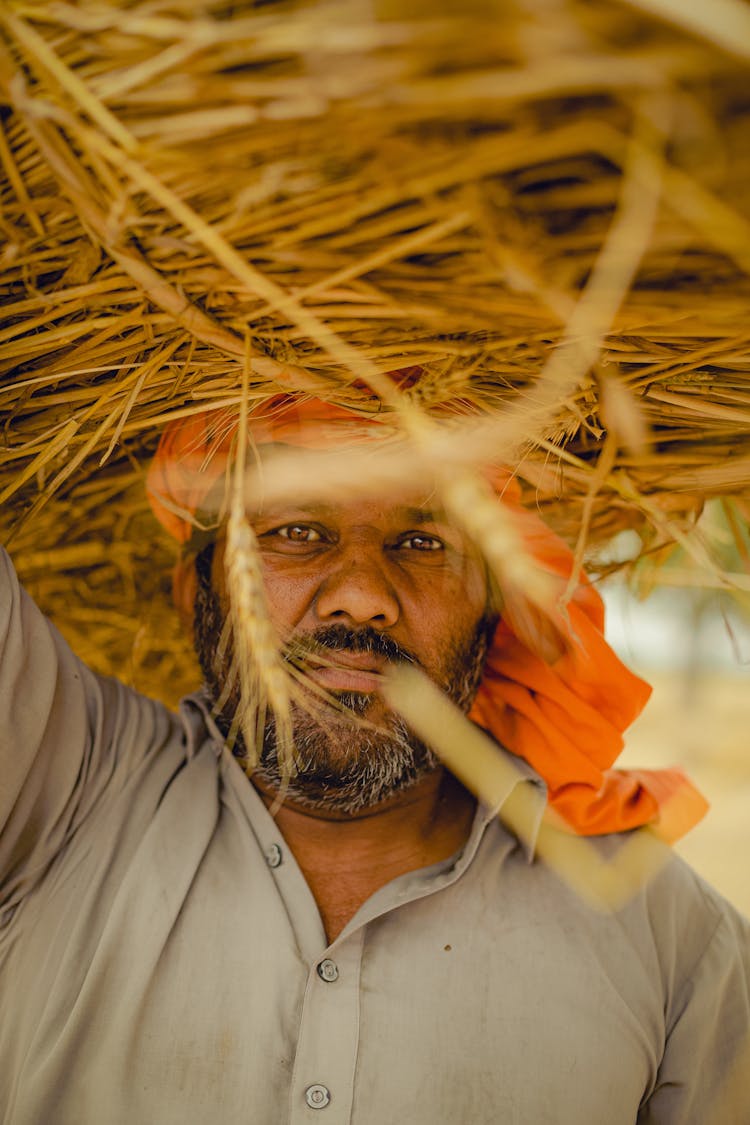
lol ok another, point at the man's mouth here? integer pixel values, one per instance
(348, 671)
(342, 660)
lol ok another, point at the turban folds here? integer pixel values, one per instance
(566, 718)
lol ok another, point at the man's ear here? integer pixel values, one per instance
(185, 589)
(495, 600)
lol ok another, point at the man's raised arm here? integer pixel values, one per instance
(65, 736)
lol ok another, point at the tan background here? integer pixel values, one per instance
(703, 724)
(698, 717)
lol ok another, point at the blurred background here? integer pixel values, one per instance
(693, 646)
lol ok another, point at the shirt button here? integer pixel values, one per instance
(274, 856)
(317, 1097)
(328, 970)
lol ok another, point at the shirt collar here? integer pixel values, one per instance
(520, 807)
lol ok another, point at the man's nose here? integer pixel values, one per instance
(358, 590)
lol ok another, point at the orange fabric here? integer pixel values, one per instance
(566, 718)
(193, 453)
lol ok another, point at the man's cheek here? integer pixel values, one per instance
(286, 603)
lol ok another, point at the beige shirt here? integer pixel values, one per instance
(162, 961)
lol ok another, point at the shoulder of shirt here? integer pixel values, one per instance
(685, 915)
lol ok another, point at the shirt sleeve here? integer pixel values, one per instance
(66, 735)
(704, 1076)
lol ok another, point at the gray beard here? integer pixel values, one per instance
(345, 764)
(377, 763)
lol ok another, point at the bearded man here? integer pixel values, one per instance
(363, 941)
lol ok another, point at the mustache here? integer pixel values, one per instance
(341, 638)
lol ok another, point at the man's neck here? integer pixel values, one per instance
(346, 858)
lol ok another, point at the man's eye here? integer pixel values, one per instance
(299, 533)
(422, 543)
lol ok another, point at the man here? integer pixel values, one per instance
(382, 947)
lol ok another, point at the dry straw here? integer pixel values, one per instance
(543, 203)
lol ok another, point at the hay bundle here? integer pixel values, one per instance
(543, 203)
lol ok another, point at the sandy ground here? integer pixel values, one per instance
(703, 724)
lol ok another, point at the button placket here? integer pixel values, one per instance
(326, 1055)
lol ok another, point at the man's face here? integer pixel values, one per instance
(356, 586)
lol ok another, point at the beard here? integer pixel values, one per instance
(345, 762)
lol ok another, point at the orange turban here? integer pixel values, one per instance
(566, 718)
